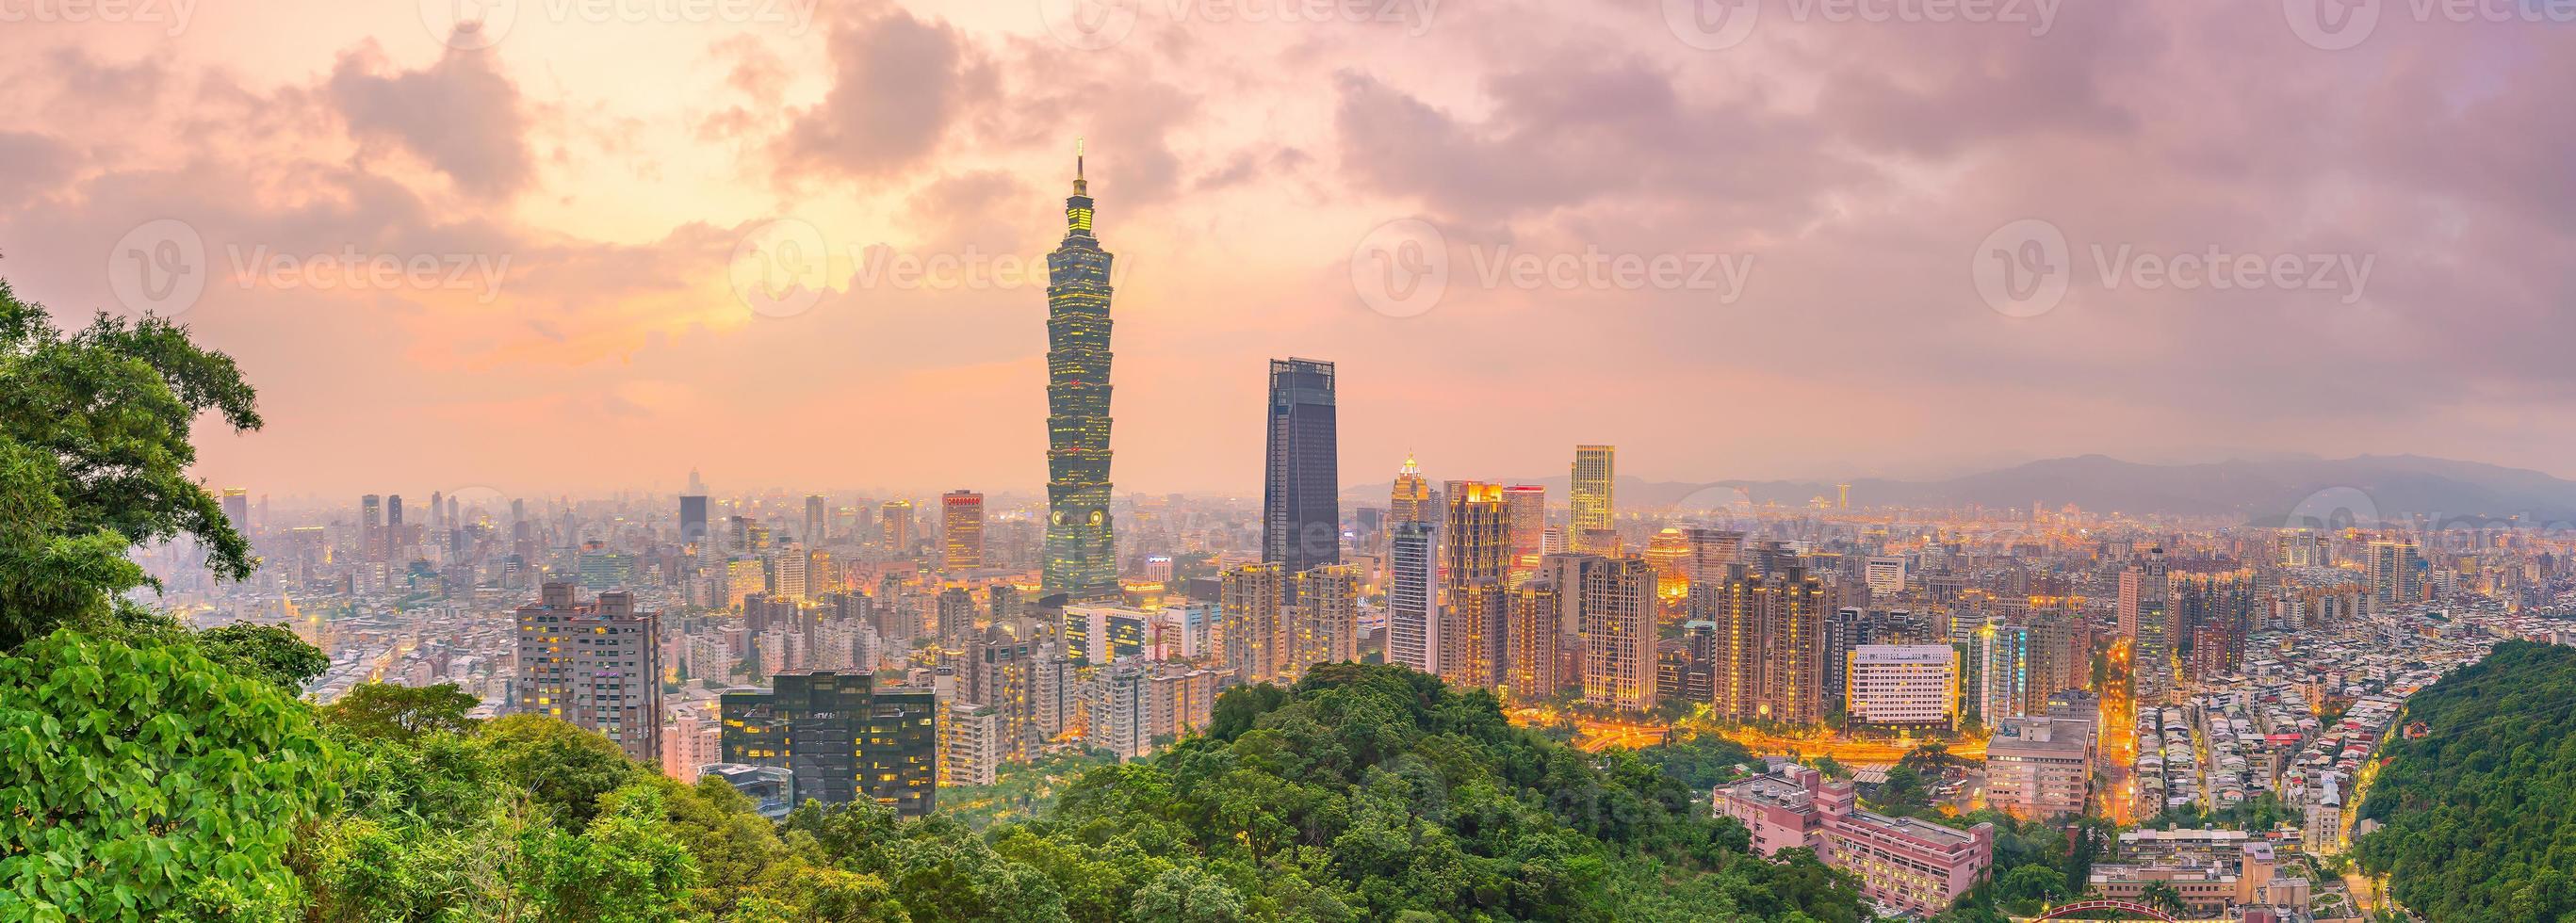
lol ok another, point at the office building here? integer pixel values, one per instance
(842, 738)
(1301, 513)
(2039, 767)
(894, 518)
(1902, 685)
(961, 530)
(1595, 479)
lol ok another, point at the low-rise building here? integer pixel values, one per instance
(2040, 767)
(1917, 865)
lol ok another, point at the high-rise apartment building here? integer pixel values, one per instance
(1081, 548)
(1533, 638)
(961, 530)
(1525, 508)
(1412, 598)
(970, 745)
(1771, 642)
(1301, 512)
(2145, 595)
(2394, 573)
(1472, 624)
(598, 666)
(1255, 627)
(1476, 537)
(842, 738)
(1616, 603)
(1595, 479)
(1326, 617)
(787, 574)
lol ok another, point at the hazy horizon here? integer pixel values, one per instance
(1735, 256)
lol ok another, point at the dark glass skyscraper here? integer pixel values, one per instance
(1081, 551)
(1301, 511)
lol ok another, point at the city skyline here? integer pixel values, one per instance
(621, 169)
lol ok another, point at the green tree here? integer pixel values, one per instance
(393, 710)
(2162, 896)
(265, 652)
(94, 452)
(1187, 895)
(143, 780)
(564, 767)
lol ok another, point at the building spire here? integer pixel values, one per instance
(1080, 186)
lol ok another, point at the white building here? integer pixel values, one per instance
(1902, 684)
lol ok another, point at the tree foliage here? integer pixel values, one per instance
(145, 780)
(269, 653)
(395, 711)
(2479, 814)
(94, 451)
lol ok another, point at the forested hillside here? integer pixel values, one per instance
(2479, 813)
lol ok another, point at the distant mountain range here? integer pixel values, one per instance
(2300, 490)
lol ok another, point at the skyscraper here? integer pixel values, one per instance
(1410, 501)
(1594, 480)
(961, 529)
(1081, 549)
(813, 534)
(370, 522)
(1301, 512)
(1257, 633)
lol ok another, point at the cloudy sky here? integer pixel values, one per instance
(558, 248)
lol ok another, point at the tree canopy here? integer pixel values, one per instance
(2479, 814)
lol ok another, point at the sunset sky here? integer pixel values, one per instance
(618, 169)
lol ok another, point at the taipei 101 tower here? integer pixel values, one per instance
(1081, 551)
